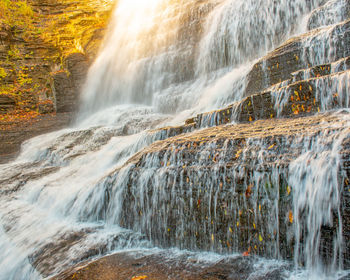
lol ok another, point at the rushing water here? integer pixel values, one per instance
(69, 195)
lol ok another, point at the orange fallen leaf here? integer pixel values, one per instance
(248, 191)
(139, 277)
(290, 217)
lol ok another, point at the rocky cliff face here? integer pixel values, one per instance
(265, 176)
(46, 48)
(236, 187)
(36, 46)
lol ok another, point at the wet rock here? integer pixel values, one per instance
(226, 188)
(308, 91)
(300, 53)
(165, 266)
(77, 65)
(65, 95)
(66, 84)
(297, 99)
(332, 12)
(13, 134)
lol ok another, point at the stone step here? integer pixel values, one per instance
(308, 91)
(289, 99)
(233, 180)
(317, 71)
(330, 43)
(331, 12)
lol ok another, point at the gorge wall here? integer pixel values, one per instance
(46, 48)
(211, 143)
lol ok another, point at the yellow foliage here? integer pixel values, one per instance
(17, 14)
(3, 73)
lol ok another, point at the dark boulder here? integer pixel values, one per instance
(66, 84)
(77, 65)
(64, 92)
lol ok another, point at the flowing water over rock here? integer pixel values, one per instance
(121, 179)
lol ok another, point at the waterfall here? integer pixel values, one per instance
(177, 52)
(109, 184)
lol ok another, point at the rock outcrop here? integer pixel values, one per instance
(66, 84)
(330, 45)
(233, 180)
(45, 51)
(135, 265)
(52, 31)
(225, 181)
(7, 104)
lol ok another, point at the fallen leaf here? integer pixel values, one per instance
(290, 217)
(271, 147)
(248, 191)
(139, 277)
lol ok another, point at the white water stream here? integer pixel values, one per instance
(162, 62)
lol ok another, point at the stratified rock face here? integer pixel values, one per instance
(66, 85)
(77, 65)
(64, 92)
(7, 104)
(228, 189)
(332, 12)
(315, 48)
(30, 52)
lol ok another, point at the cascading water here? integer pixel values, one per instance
(192, 55)
(69, 196)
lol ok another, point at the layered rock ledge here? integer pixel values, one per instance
(224, 189)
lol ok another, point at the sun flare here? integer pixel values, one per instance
(139, 14)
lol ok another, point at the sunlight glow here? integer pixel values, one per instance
(140, 12)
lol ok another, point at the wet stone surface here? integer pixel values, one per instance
(229, 185)
(299, 53)
(164, 266)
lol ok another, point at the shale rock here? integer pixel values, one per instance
(300, 53)
(64, 92)
(331, 13)
(77, 65)
(7, 104)
(233, 180)
(56, 30)
(160, 266)
(66, 85)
